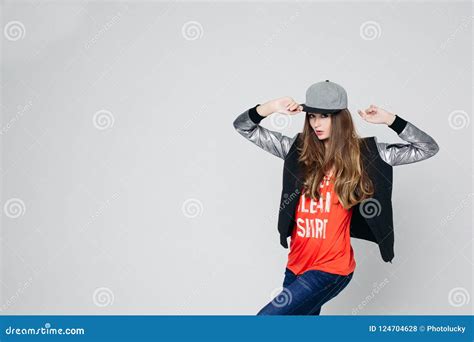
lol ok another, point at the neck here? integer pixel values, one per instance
(326, 143)
(326, 146)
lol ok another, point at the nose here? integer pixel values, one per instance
(316, 123)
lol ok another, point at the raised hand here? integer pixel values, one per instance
(286, 105)
(376, 115)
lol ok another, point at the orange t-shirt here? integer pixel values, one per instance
(320, 239)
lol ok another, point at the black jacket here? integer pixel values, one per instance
(372, 220)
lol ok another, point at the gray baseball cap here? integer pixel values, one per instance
(325, 97)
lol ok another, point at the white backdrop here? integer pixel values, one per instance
(126, 190)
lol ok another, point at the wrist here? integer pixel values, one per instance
(398, 125)
(254, 115)
(390, 119)
(265, 109)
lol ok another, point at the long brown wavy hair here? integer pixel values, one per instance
(352, 183)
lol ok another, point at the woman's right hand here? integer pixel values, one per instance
(284, 105)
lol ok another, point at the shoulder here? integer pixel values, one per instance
(370, 145)
(296, 138)
(369, 142)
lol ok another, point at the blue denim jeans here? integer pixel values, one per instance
(306, 293)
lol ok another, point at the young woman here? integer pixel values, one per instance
(333, 180)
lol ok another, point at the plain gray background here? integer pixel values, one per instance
(126, 189)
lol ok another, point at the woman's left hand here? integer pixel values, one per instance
(376, 115)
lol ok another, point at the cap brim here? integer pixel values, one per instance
(309, 109)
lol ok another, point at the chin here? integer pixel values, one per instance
(321, 138)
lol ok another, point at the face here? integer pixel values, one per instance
(321, 124)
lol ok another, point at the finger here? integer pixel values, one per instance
(365, 115)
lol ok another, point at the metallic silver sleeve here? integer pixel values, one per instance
(420, 147)
(271, 141)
